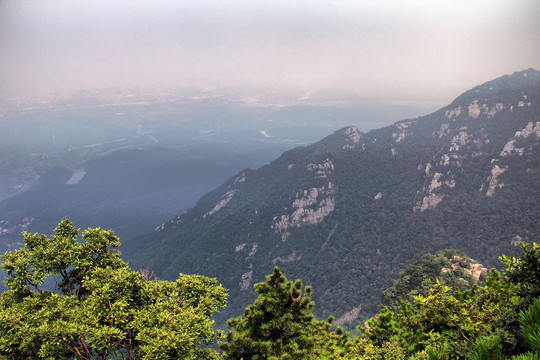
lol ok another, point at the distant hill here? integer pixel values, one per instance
(130, 191)
(347, 213)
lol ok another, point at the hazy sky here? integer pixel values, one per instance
(404, 51)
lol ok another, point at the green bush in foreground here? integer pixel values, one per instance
(100, 308)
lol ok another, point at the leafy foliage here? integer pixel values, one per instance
(478, 323)
(100, 308)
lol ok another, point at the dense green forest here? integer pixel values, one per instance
(73, 297)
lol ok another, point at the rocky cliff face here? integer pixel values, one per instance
(347, 213)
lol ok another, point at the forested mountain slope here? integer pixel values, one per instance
(347, 213)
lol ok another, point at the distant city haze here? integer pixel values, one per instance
(419, 53)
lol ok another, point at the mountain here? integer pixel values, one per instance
(128, 159)
(347, 213)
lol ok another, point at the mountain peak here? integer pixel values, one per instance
(517, 79)
(348, 137)
(504, 88)
(351, 135)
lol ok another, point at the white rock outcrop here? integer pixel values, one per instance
(224, 201)
(309, 208)
(494, 182)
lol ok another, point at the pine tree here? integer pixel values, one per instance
(530, 325)
(524, 272)
(280, 324)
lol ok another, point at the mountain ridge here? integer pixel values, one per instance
(346, 213)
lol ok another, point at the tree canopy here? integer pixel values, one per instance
(495, 321)
(75, 298)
